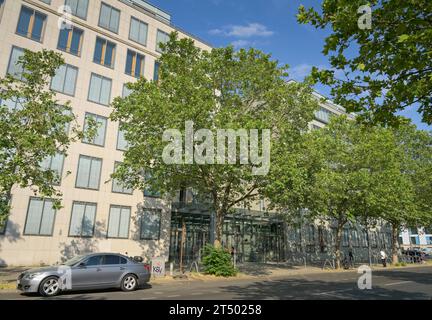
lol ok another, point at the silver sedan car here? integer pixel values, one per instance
(92, 271)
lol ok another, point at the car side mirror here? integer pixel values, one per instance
(82, 265)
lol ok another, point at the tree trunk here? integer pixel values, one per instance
(395, 234)
(338, 241)
(220, 214)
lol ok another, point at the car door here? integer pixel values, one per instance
(112, 270)
(88, 273)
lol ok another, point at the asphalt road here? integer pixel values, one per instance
(404, 283)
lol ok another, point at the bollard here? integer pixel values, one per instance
(171, 269)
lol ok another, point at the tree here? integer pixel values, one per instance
(217, 89)
(387, 67)
(33, 127)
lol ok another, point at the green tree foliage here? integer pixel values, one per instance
(217, 89)
(35, 128)
(217, 261)
(383, 69)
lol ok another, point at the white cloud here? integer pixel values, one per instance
(245, 31)
(241, 43)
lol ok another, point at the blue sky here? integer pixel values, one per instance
(269, 25)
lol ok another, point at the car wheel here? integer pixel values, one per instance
(49, 287)
(129, 282)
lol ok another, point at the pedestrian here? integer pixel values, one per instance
(233, 255)
(351, 257)
(383, 258)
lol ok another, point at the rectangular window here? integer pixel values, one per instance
(118, 223)
(109, 18)
(89, 171)
(15, 69)
(138, 31)
(117, 186)
(324, 115)
(78, 8)
(65, 80)
(148, 192)
(345, 237)
(134, 64)
(70, 40)
(122, 143)
(40, 217)
(126, 91)
(31, 24)
(46, 1)
(82, 219)
(101, 122)
(104, 52)
(100, 89)
(355, 238)
(2, 3)
(161, 37)
(150, 224)
(156, 71)
(54, 163)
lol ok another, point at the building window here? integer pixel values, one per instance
(324, 115)
(345, 237)
(148, 192)
(355, 238)
(101, 122)
(118, 223)
(100, 89)
(70, 40)
(126, 91)
(78, 8)
(150, 224)
(55, 164)
(82, 219)
(156, 71)
(134, 64)
(104, 52)
(46, 1)
(117, 186)
(89, 171)
(31, 24)
(15, 68)
(109, 18)
(40, 217)
(122, 143)
(65, 80)
(161, 37)
(138, 31)
(2, 3)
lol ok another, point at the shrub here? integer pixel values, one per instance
(217, 261)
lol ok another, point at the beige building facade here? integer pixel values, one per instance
(111, 42)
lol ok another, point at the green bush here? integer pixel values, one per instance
(217, 261)
(400, 264)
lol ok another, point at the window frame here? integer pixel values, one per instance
(118, 139)
(62, 167)
(105, 131)
(110, 93)
(109, 218)
(111, 9)
(10, 60)
(66, 65)
(157, 43)
(116, 163)
(83, 18)
(70, 37)
(40, 223)
(100, 173)
(130, 29)
(31, 23)
(94, 219)
(134, 64)
(154, 211)
(104, 46)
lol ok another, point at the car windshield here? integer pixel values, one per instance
(72, 261)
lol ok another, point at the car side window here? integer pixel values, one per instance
(111, 259)
(123, 260)
(94, 261)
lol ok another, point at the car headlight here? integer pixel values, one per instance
(32, 275)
